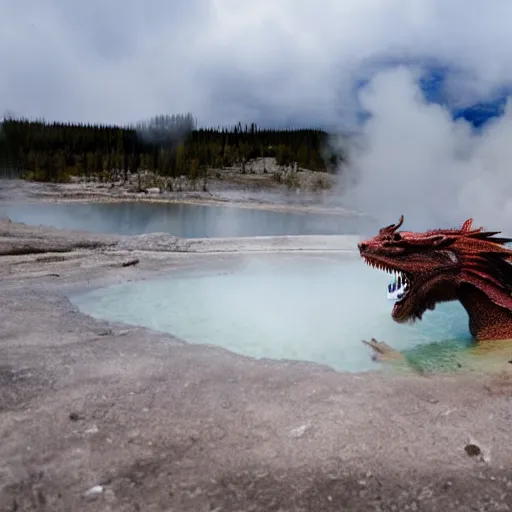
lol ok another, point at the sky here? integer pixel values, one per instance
(273, 62)
(413, 158)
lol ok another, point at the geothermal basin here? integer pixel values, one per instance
(305, 307)
(158, 424)
(314, 302)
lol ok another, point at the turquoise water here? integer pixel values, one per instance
(311, 310)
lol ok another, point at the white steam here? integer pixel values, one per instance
(415, 160)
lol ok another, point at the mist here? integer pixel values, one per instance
(256, 306)
(414, 159)
(271, 62)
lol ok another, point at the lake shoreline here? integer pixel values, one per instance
(92, 192)
(102, 416)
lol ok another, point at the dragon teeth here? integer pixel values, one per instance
(398, 286)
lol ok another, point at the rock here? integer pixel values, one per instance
(94, 491)
(153, 190)
(475, 450)
(299, 431)
(74, 416)
(472, 450)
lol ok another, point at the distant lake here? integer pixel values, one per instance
(183, 220)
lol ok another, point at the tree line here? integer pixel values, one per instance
(168, 145)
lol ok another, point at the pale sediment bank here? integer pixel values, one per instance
(18, 238)
(16, 190)
(202, 200)
(158, 424)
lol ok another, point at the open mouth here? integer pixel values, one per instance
(398, 287)
(400, 284)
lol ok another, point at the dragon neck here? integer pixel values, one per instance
(487, 321)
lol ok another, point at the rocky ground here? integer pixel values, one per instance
(96, 416)
(257, 175)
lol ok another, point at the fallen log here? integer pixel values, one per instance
(130, 263)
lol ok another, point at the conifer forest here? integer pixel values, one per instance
(169, 145)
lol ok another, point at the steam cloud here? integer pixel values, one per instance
(416, 160)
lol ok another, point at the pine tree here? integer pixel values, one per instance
(170, 145)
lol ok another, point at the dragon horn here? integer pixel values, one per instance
(392, 227)
(467, 225)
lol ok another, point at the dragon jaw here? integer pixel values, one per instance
(439, 266)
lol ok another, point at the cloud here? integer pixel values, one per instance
(414, 159)
(270, 61)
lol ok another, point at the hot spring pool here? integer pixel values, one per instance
(310, 310)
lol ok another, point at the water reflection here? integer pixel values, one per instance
(183, 220)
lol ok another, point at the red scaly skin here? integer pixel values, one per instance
(469, 265)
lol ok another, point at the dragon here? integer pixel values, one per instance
(467, 264)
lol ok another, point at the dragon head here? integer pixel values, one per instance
(435, 266)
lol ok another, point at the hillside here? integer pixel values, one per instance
(169, 148)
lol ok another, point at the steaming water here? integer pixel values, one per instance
(183, 220)
(311, 310)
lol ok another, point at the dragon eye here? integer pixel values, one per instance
(452, 256)
(397, 237)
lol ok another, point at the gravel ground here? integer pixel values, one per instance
(96, 416)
